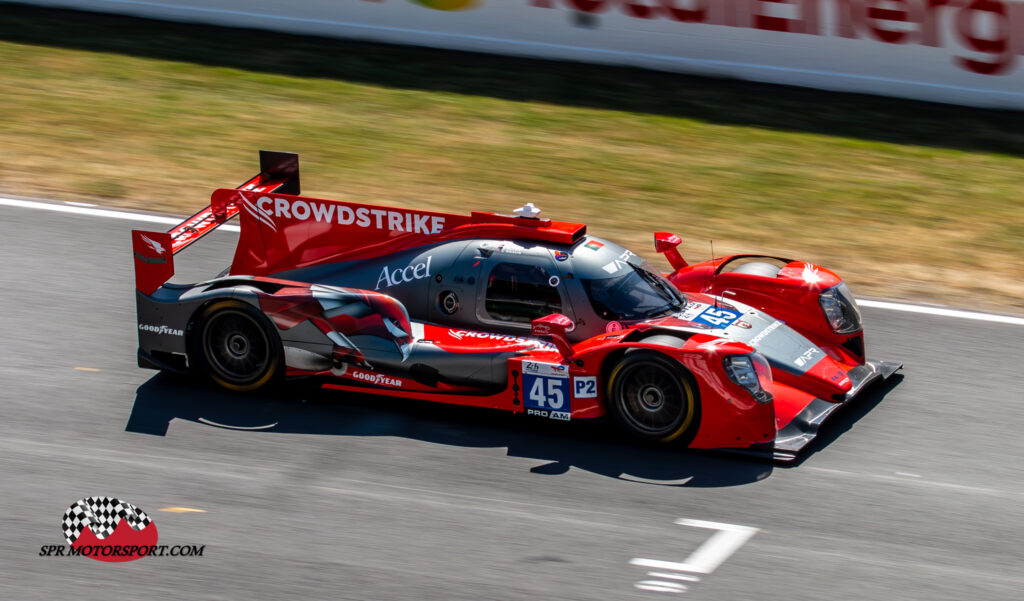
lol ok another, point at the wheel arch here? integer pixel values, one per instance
(627, 360)
(666, 338)
(229, 298)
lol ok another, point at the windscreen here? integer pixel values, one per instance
(636, 292)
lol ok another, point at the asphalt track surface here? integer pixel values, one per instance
(914, 492)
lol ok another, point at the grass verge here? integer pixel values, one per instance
(907, 200)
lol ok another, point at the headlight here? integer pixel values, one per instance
(751, 372)
(840, 309)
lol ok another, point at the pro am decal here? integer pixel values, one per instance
(546, 390)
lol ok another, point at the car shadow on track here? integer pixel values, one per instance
(592, 446)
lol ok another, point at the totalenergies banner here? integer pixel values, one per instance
(958, 51)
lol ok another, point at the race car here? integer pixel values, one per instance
(506, 311)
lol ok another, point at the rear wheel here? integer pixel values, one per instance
(238, 346)
(653, 398)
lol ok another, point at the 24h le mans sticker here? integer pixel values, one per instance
(109, 529)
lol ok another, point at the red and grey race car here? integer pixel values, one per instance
(513, 312)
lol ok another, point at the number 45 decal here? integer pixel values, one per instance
(547, 393)
(718, 317)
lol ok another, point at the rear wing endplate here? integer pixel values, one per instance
(154, 251)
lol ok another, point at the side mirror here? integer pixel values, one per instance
(554, 326)
(666, 243)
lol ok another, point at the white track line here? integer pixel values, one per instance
(108, 213)
(131, 216)
(671, 576)
(1007, 319)
(659, 586)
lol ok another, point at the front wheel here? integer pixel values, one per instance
(653, 398)
(238, 346)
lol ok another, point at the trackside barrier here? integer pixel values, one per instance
(955, 51)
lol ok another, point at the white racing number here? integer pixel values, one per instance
(551, 398)
(717, 317)
(547, 396)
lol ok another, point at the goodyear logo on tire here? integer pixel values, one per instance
(447, 4)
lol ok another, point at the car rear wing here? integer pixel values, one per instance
(154, 251)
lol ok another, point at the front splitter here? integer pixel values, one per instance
(799, 433)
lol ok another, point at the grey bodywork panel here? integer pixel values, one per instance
(422, 279)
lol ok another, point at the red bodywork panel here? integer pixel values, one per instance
(791, 296)
(282, 232)
(154, 260)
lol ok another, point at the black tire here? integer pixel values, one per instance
(237, 346)
(765, 270)
(654, 398)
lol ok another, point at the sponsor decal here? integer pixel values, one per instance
(376, 378)
(111, 530)
(546, 369)
(806, 356)
(559, 415)
(742, 324)
(620, 262)
(160, 330)
(584, 387)
(263, 215)
(594, 245)
(613, 326)
(981, 36)
(561, 256)
(195, 227)
(156, 246)
(764, 333)
(416, 271)
(692, 310)
(461, 334)
(266, 210)
(839, 378)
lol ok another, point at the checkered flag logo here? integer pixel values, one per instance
(101, 515)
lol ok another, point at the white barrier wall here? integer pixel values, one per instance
(958, 51)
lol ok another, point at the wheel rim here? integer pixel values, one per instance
(236, 346)
(654, 400)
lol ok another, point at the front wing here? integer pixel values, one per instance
(795, 436)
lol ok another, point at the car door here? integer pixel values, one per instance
(515, 289)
